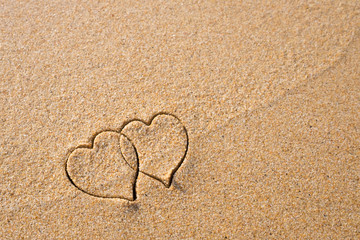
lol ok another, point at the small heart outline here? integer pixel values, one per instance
(147, 124)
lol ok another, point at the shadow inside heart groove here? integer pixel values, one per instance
(109, 167)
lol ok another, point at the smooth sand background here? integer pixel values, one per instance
(269, 93)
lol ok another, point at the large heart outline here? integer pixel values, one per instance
(73, 161)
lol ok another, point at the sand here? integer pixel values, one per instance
(179, 120)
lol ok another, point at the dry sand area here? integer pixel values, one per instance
(179, 119)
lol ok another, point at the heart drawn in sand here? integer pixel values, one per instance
(161, 145)
(109, 167)
(102, 171)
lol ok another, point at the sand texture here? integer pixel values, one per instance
(180, 119)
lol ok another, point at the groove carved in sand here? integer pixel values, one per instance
(110, 166)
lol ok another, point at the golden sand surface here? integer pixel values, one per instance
(179, 119)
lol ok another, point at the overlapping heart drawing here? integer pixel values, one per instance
(110, 166)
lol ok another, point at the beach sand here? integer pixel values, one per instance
(257, 134)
